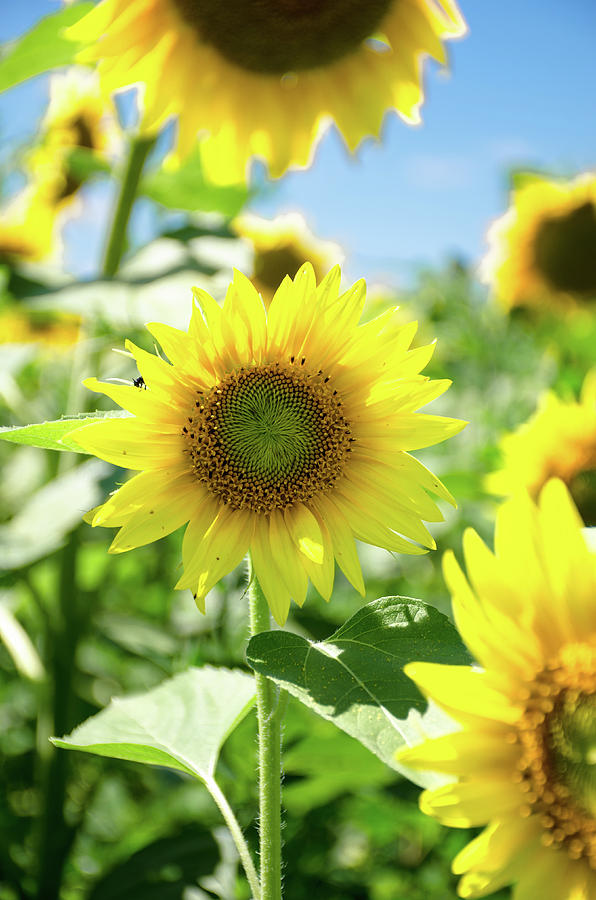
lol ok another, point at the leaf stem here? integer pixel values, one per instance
(237, 835)
(269, 717)
(138, 153)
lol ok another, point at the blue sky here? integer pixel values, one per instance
(520, 93)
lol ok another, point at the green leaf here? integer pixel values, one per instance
(355, 678)
(42, 48)
(162, 870)
(181, 724)
(186, 188)
(41, 525)
(18, 643)
(50, 435)
(83, 163)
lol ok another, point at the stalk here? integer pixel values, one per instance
(269, 750)
(138, 153)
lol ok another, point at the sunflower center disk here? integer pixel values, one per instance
(558, 760)
(266, 437)
(279, 36)
(565, 250)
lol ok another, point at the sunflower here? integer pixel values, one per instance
(559, 440)
(280, 248)
(284, 433)
(543, 250)
(263, 79)
(78, 116)
(50, 329)
(524, 753)
(27, 227)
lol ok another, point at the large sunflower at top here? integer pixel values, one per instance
(263, 77)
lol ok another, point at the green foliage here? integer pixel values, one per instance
(43, 47)
(163, 869)
(43, 523)
(51, 435)
(185, 187)
(352, 825)
(181, 724)
(355, 678)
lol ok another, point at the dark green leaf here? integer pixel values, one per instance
(163, 869)
(50, 435)
(355, 678)
(42, 48)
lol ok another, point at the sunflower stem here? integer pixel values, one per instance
(238, 838)
(269, 717)
(138, 153)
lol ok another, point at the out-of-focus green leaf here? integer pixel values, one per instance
(83, 163)
(329, 763)
(163, 870)
(50, 435)
(42, 524)
(43, 47)
(355, 678)
(186, 188)
(18, 643)
(181, 724)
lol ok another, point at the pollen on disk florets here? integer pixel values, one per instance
(557, 767)
(267, 436)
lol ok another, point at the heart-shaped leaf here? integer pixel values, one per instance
(355, 678)
(181, 724)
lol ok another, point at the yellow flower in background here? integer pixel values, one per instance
(284, 433)
(524, 754)
(559, 440)
(78, 116)
(27, 227)
(264, 79)
(280, 248)
(543, 250)
(51, 329)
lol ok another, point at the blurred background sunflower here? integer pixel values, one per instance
(543, 250)
(264, 80)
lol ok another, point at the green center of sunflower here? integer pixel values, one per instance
(557, 735)
(565, 250)
(268, 436)
(572, 739)
(279, 36)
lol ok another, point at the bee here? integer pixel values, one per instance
(140, 382)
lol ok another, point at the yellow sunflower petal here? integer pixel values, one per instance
(126, 442)
(269, 576)
(463, 753)
(288, 562)
(462, 689)
(470, 803)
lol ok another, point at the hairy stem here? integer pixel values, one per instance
(269, 748)
(238, 837)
